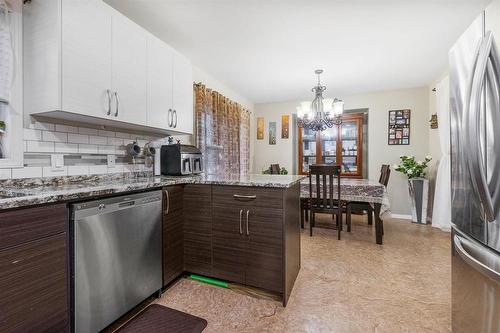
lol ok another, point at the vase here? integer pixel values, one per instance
(418, 189)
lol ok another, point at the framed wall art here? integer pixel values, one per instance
(285, 126)
(399, 127)
(272, 133)
(260, 128)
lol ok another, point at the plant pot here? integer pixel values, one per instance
(418, 189)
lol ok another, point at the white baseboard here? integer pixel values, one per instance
(401, 216)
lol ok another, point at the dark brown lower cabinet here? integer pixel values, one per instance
(256, 236)
(241, 234)
(229, 243)
(173, 233)
(33, 286)
(198, 229)
(34, 270)
(264, 254)
(249, 254)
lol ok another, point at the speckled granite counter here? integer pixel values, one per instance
(28, 192)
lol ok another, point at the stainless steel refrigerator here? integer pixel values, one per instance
(475, 179)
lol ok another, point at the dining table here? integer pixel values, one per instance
(359, 190)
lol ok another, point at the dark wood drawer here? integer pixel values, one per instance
(24, 225)
(34, 286)
(247, 196)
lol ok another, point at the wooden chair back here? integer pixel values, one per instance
(385, 172)
(324, 174)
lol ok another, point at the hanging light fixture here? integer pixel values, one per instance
(321, 113)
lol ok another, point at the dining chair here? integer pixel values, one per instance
(360, 207)
(322, 199)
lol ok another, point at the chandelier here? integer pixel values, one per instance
(321, 113)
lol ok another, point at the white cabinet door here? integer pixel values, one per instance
(86, 57)
(160, 60)
(129, 70)
(183, 94)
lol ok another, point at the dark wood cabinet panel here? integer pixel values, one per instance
(235, 195)
(229, 243)
(291, 234)
(264, 253)
(24, 225)
(198, 229)
(173, 238)
(33, 286)
(175, 195)
(173, 246)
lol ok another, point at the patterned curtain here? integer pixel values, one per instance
(222, 133)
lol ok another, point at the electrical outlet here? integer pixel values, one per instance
(57, 161)
(111, 161)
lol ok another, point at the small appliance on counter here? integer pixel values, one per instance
(180, 160)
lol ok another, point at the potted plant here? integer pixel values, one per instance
(418, 185)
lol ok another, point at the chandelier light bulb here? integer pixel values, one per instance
(321, 113)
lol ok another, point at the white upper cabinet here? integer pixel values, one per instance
(85, 61)
(129, 74)
(160, 63)
(86, 55)
(182, 94)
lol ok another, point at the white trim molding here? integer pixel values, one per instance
(401, 216)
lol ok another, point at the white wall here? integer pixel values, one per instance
(199, 75)
(379, 152)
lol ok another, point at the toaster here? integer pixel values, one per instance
(180, 160)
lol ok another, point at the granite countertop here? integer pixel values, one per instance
(27, 192)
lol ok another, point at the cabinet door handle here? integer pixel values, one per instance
(117, 104)
(248, 231)
(109, 102)
(170, 117)
(175, 113)
(168, 201)
(241, 228)
(248, 197)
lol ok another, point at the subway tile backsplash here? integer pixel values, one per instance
(85, 151)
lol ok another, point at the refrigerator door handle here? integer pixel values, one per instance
(478, 265)
(471, 126)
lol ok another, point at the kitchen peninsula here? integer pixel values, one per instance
(243, 230)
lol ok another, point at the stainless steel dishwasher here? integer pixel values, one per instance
(117, 257)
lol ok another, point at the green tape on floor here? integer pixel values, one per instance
(215, 282)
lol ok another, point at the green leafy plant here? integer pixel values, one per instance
(2, 125)
(411, 167)
(283, 171)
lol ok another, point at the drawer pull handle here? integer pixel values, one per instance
(249, 197)
(241, 228)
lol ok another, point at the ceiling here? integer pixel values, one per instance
(267, 50)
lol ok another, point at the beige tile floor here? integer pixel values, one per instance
(351, 285)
